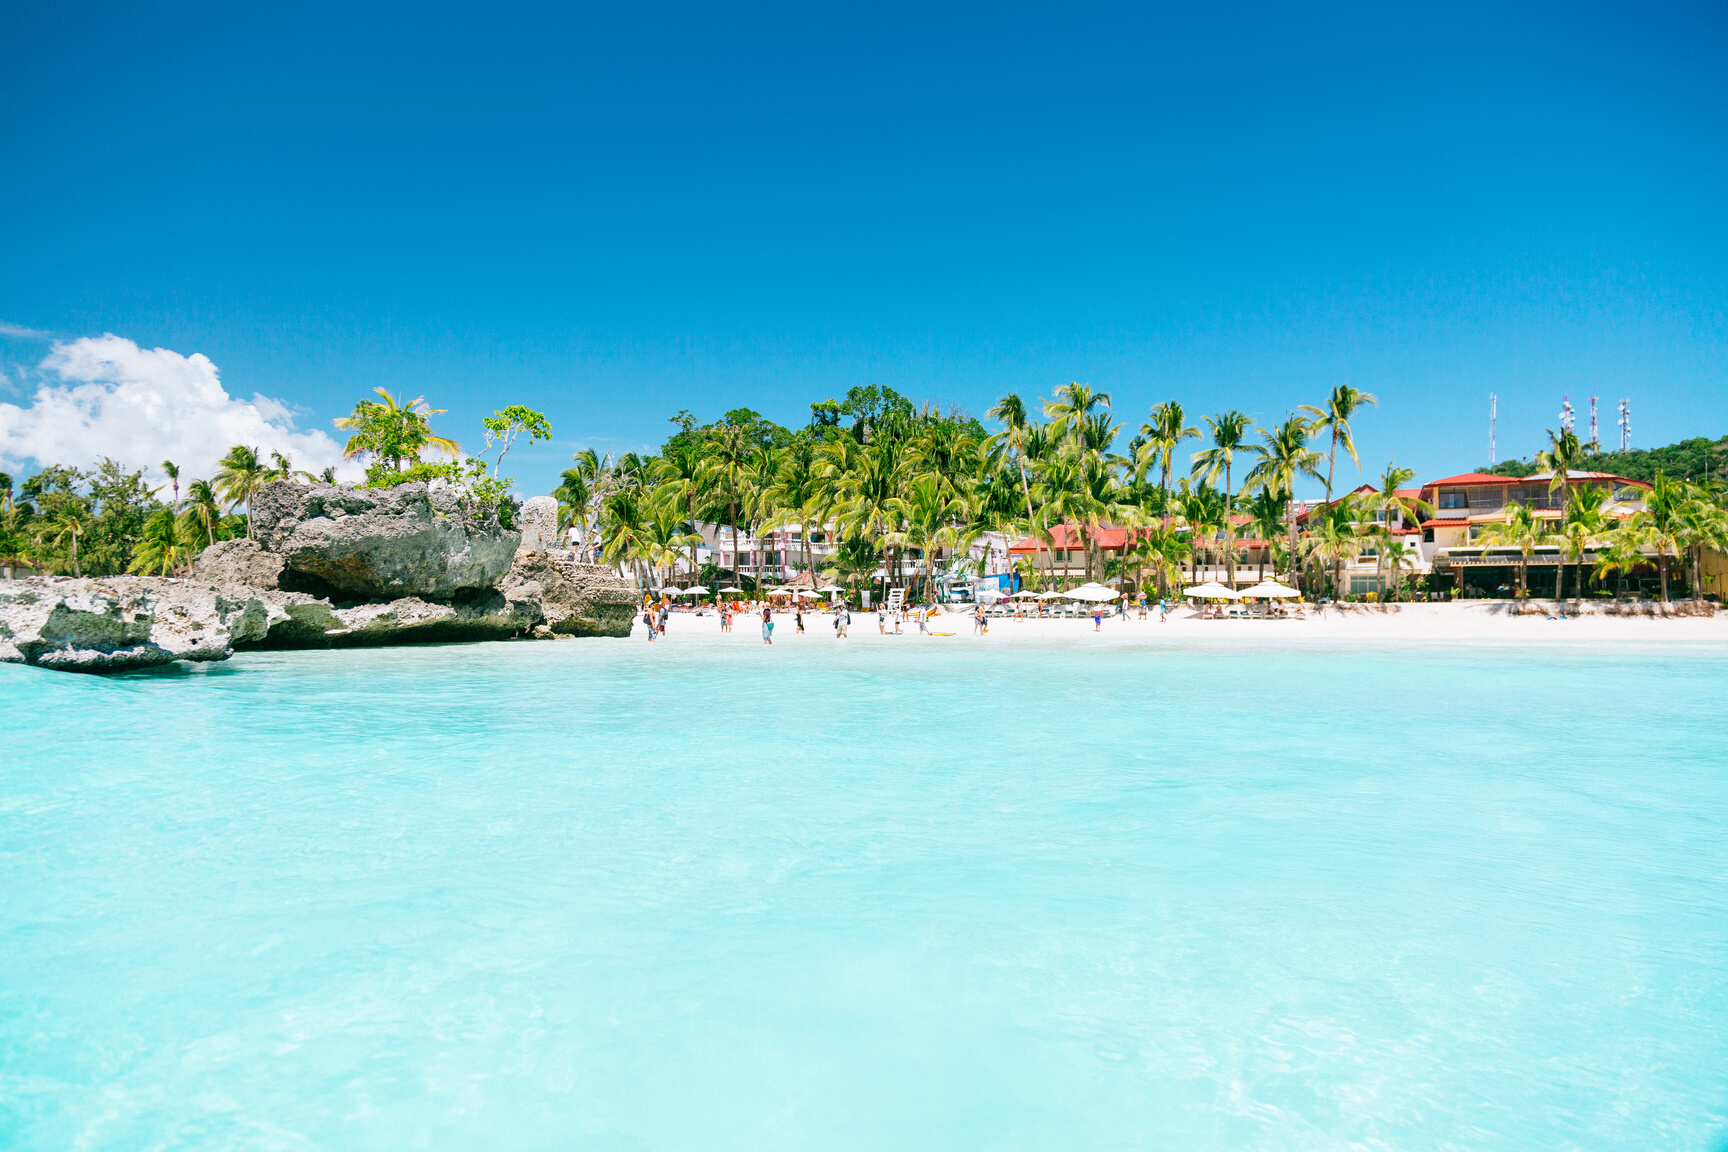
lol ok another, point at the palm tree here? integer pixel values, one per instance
(172, 471)
(728, 462)
(1585, 522)
(1010, 411)
(1521, 529)
(1334, 418)
(394, 432)
(69, 524)
(927, 515)
(1564, 455)
(1396, 556)
(203, 508)
(240, 477)
(1229, 429)
(683, 474)
(574, 497)
(1334, 536)
(1284, 455)
(163, 547)
(1164, 432)
(1702, 525)
(1073, 402)
(1269, 509)
(1662, 522)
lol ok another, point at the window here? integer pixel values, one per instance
(1454, 498)
(1485, 496)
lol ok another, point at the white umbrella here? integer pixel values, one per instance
(1212, 590)
(1026, 594)
(803, 594)
(1093, 592)
(1052, 595)
(732, 590)
(1270, 590)
(989, 595)
(830, 588)
(694, 590)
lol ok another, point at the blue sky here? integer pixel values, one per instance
(611, 215)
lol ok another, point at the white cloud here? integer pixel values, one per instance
(18, 331)
(105, 396)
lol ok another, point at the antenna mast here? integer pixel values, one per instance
(1493, 409)
(1625, 424)
(1593, 438)
(1566, 417)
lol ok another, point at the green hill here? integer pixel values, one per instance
(1697, 459)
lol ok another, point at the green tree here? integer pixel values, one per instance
(506, 425)
(1334, 418)
(239, 478)
(1229, 430)
(1521, 529)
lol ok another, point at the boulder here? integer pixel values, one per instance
(572, 599)
(538, 520)
(382, 544)
(296, 620)
(122, 622)
(240, 562)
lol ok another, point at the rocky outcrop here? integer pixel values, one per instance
(381, 544)
(296, 620)
(538, 520)
(570, 599)
(240, 562)
(123, 622)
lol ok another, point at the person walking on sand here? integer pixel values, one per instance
(978, 620)
(798, 618)
(842, 620)
(767, 624)
(881, 621)
(1097, 618)
(923, 622)
(648, 619)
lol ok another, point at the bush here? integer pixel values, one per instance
(485, 495)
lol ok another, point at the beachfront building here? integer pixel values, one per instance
(770, 556)
(1465, 505)
(1060, 562)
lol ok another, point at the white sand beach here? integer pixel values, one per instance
(1487, 621)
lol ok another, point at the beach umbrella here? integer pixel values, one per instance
(1052, 595)
(1026, 594)
(1270, 590)
(1212, 590)
(694, 590)
(1093, 592)
(830, 588)
(732, 590)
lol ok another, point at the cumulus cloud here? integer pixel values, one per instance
(105, 396)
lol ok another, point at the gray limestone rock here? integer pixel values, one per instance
(240, 562)
(121, 622)
(538, 520)
(384, 543)
(297, 620)
(573, 599)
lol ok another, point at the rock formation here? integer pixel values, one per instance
(572, 599)
(120, 622)
(538, 520)
(369, 544)
(331, 567)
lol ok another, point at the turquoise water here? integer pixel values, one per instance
(891, 895)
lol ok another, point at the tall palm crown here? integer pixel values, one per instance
(1334, 417)
(1229, 430)
(240, 475)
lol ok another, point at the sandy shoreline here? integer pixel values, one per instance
(1471, 620)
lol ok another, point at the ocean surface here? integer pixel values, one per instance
(701, 895)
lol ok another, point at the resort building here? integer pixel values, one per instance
(1465, 504)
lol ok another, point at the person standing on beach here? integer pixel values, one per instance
(842, 619)
(648, 619)
(881, 621)
(923, 622)
(767, 624)
(798, 618)
(1097, 618)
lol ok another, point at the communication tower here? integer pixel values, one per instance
(1566, 417)
(1625, 424)
(1493, 408)
(1593, 439)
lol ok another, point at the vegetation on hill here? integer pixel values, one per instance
(1700, 459)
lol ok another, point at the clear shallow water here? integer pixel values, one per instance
(604, 895)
